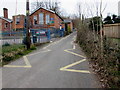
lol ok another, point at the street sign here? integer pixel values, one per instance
(51, 19)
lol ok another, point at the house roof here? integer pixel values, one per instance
(47, 10)
(67, 20)
(6, 19)
(19, 15)
(42, 8)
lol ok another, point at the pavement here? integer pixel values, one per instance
(60, 64)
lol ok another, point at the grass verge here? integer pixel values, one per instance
(12, 52)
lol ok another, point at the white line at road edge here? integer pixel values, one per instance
(56, 42)
(39, 52)
(73, 46)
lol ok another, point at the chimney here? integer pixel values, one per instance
(5, 11)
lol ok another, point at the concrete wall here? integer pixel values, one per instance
(112, 30)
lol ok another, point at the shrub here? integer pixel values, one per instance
(105, 59)
(32, 47)
(6, 44)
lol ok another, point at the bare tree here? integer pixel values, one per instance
(92, 10)
(47, 4)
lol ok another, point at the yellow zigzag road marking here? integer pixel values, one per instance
(28, 65)
(68, 66)
(73, 64)
(72, 70)
(26, 62)
(74, 53)
(14, 66)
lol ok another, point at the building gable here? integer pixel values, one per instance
(8, 20)
(47, 11)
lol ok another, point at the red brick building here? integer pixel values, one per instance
(43, 18)
(18, 22)
(5, 22)
(68, 24)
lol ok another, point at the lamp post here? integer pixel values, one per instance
(28, 40)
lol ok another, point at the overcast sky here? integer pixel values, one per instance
(68, 6)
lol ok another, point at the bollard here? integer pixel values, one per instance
(34, 39)
(48, 35)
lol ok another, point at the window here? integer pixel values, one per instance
(41, 18)
(47, 19)
(35, 20)
(6, 25)
(17, 20)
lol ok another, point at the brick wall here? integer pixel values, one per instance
(70, 25)
(57, 21)
(21, 23)
(6, 26)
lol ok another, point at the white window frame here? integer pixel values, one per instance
(47, 18)
(41, 18)
(17, 19)
(34, 19)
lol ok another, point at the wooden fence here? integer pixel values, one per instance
(112, 30)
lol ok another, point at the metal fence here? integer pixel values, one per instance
(37, 36)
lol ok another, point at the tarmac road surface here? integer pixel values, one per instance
(61, 64)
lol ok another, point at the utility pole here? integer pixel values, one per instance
(28, 39)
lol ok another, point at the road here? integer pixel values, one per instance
(61, 64)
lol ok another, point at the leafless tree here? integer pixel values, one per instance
(47, 4)
(92, 10)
